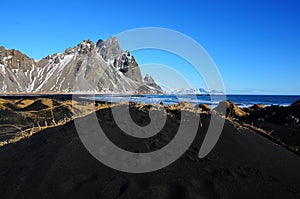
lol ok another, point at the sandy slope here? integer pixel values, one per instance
(22, 116)
(55, 164)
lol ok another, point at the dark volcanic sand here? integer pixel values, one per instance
(55, 164)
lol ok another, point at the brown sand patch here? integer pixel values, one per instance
(232, 110)
(24, 103)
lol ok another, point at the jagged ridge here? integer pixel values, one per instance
(102, 67)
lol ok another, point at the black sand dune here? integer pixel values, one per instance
(19, 115)
(36, 106)
(55, 164)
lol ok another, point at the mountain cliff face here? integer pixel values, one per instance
(150, 82)
(102, 67)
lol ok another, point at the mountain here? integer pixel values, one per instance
(149, 81)
(193, 91)
(102, 67)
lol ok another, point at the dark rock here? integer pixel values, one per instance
(296, 103)
(291, 120)
(261, 119)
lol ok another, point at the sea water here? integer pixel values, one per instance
(240, 100)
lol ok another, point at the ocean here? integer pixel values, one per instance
(240, 100)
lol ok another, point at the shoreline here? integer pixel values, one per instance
(243, 101)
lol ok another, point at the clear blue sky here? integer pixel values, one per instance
(254, 43)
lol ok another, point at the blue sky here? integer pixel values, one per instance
(255, 44)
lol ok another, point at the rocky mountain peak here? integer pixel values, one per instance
(148, 79)
(99, 43)
(87, 67)
(85, 46)
(109, 49)
(14, 59)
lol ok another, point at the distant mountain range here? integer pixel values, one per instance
(102, 67)
(193, 91)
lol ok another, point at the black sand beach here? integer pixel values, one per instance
(254, 158)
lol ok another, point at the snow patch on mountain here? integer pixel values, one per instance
(194, 91)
